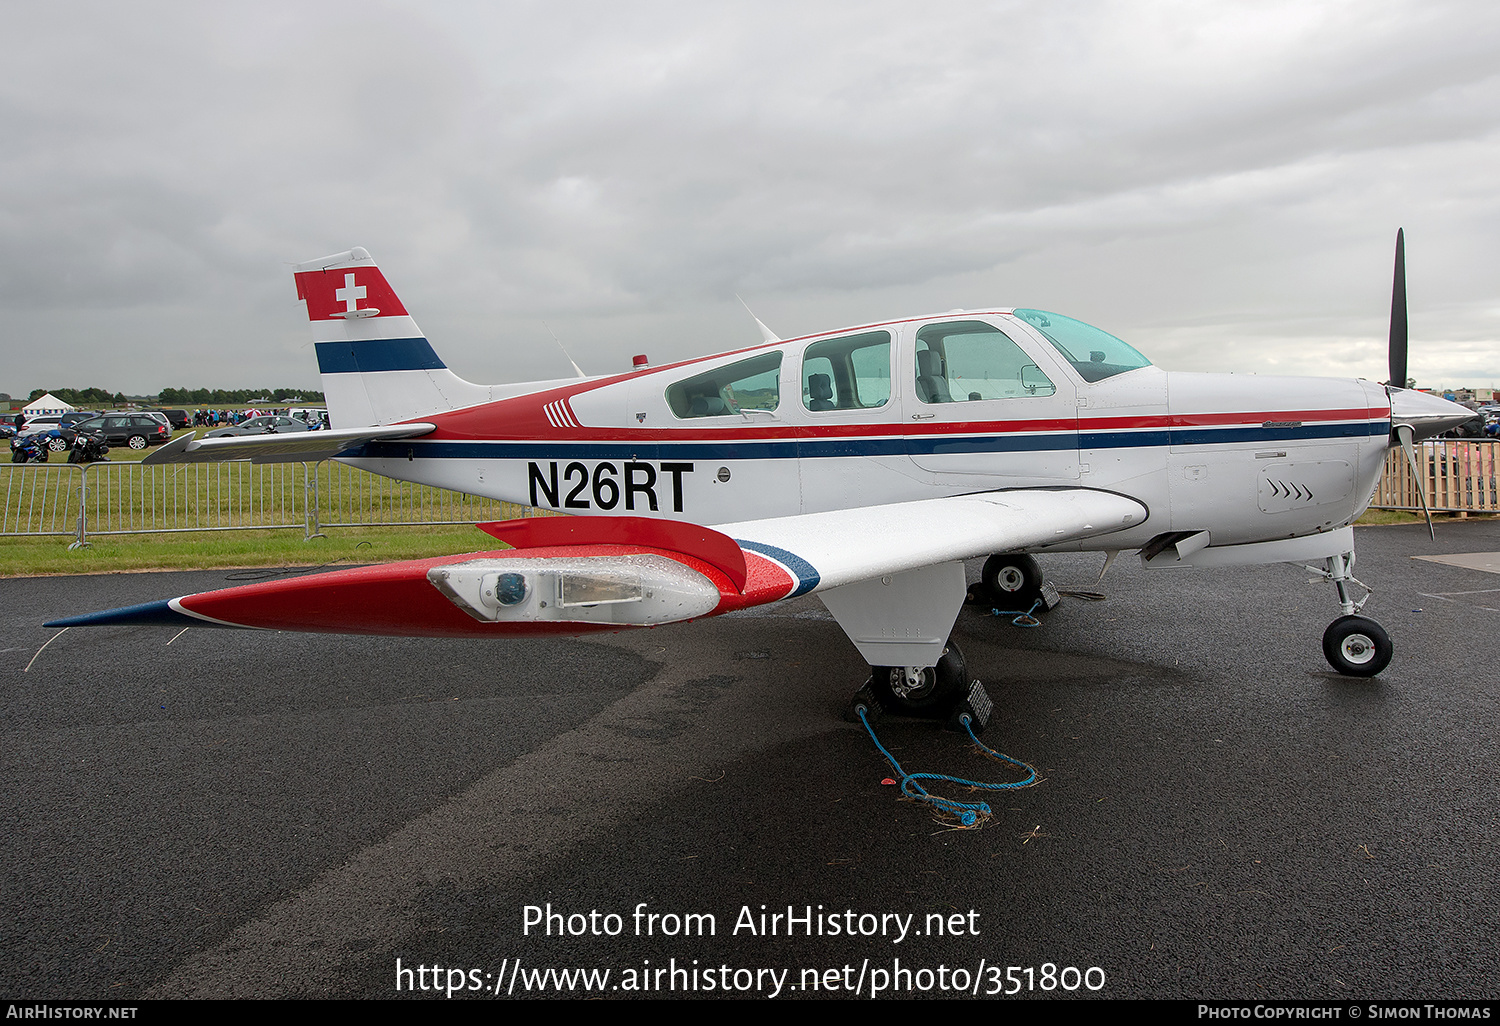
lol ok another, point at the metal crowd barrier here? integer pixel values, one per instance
(41, 499)
(128, 498)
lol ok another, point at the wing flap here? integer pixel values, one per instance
(301, 447)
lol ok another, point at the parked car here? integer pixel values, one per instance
(179, 419)
(266, 425)
(135, 430)
(42, 424)
(61, 426)
(67, 428)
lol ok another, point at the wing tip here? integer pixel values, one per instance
(159, 613)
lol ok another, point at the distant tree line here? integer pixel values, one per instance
(233, 396)
(79, 396)
(86, 397)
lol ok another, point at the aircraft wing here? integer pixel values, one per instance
(573, 575)
(293, 447)
(845, 546)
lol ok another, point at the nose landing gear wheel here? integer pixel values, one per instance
(1357, 646)
(930, 695)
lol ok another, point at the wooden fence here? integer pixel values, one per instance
(1460, 478)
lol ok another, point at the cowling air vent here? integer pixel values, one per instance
(1288, 486)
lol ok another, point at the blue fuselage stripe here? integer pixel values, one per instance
(370, 356)
(818, 448)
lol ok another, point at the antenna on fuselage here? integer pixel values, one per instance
(766, 334)
(576, 368)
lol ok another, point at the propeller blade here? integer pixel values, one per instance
(1398, 315)
(1404, 432)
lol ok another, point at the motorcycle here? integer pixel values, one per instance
(30, 448)
(87, 449)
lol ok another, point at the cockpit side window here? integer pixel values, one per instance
(752, 384)
(966, 361)
(1094, 354)
(850, 373)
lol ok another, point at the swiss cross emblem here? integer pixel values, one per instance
(364, 293)
(350, 294)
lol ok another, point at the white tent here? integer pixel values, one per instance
(48, 403)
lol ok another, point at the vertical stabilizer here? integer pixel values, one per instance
(376, 365)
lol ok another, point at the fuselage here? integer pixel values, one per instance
(962, 402)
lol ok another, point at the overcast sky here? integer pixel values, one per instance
(1218, 183)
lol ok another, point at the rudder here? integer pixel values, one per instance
(376, 365)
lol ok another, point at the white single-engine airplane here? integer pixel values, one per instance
(864, 465)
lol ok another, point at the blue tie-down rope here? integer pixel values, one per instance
(1022, 619)
(968, 814)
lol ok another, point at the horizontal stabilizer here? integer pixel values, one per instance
(298, 447)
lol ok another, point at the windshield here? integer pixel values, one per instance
(1094, 354)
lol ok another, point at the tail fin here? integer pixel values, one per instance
(376, 366)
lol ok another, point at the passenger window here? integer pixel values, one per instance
(850, 373)
(966, 361)
(752, 384)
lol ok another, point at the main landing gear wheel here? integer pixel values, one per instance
(1357, 646)
(930, 694)
(1014, 580)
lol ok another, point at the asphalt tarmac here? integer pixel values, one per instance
(238, 814)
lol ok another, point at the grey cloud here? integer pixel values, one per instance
(1196, 176)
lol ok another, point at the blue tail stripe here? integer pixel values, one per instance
(369, 356)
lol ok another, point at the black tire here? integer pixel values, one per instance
(136, 441)
(1357, 646)
(1014, 580)
(57, 444)
(940, 686)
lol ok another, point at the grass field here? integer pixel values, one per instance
(200, 550)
